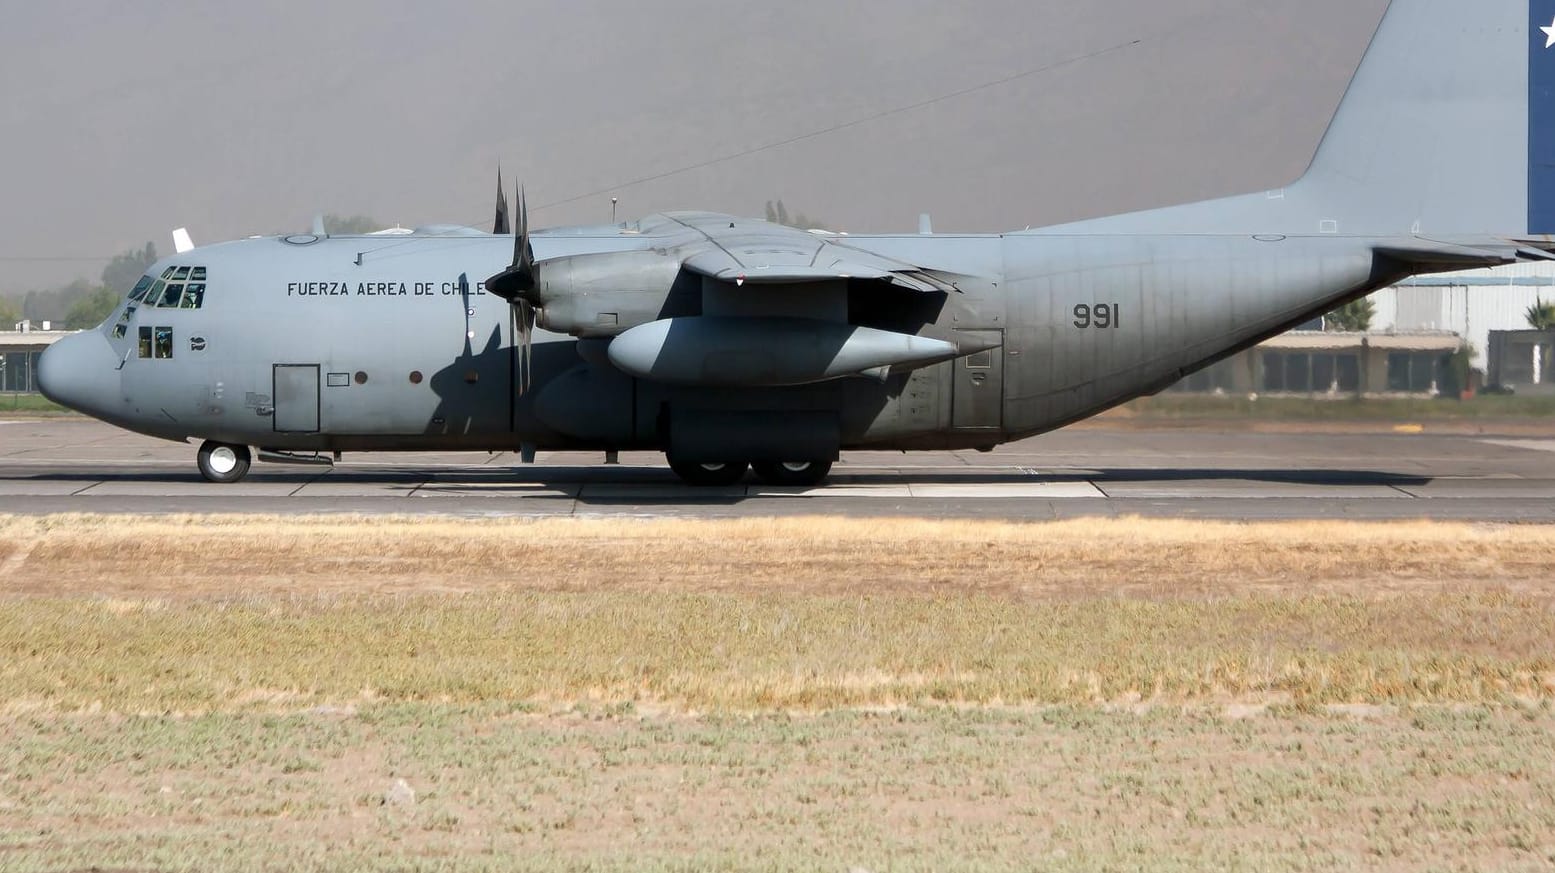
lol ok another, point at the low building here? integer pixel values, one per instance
(1522, 361)
(1333, 364)
(19, 353)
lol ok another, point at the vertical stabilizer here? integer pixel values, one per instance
(1433, 134)
(1447, 128)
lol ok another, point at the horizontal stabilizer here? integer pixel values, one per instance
(1435, 255)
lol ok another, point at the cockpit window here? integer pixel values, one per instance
(141, 288)
(177, 288)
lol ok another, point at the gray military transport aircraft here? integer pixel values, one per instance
(731, 343)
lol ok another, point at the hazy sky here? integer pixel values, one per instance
(120, 121)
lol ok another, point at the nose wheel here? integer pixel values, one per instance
(222, 462)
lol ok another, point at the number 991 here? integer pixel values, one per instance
(1101, 316)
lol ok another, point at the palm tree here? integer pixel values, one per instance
(1541, 315)
(1353, 317)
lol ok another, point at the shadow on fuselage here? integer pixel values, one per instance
(491, 392)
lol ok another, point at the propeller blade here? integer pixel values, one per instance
(523, 252)
(501, 225)
(519, 278)
(516, 283)
(464, 297)
(526, 323)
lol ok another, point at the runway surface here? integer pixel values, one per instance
(76, 465)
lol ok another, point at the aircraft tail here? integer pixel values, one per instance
(1448, 127)
(1447, 130)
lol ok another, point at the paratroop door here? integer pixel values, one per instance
(297, 398)
(978, 394)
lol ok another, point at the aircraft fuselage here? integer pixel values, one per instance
(299, 347)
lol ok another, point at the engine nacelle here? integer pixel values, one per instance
(712, 351)
(602, 295)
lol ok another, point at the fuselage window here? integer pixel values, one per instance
(194, 296)
(145, 342)
(164, 342)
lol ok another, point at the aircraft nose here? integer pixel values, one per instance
(80, 371)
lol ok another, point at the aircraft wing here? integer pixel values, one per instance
(744, 251)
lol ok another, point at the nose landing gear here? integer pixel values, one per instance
(223, 463)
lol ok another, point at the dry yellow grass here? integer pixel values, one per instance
(237, 693)
(199, 614)
(203, 556)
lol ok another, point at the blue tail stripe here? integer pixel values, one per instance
(1541, 117)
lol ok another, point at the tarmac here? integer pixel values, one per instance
(1217, 472)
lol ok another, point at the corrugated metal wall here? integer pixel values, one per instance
(1471, 303)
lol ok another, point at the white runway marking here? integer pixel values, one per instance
(1531, 445)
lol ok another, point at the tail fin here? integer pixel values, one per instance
(1435, 134)
(1447, 128)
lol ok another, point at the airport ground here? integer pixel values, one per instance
(1496, 471)
(402, 663)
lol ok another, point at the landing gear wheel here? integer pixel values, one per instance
(223, 463)
(792, 472)
(709, 475)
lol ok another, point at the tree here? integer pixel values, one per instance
(777, 213)
(89, 311)
(125, 269)
(347, 225)
(9, 314)
(1541, 315)
(1354, 317)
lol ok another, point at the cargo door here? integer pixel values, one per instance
(978, 384)
(297, 398)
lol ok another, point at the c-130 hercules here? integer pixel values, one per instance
(731, 343)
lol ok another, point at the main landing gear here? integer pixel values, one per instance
(223, 463)
(796, 473)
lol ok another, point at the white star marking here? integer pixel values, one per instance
(1549, 33)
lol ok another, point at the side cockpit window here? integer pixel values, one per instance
(176, 288)
(156, 342)
(141, 288)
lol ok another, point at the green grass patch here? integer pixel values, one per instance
(31, 404)
(923, 790)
